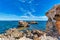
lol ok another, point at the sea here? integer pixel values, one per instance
(6, 25)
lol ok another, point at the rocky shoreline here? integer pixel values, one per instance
(52, 31)
(15, 34)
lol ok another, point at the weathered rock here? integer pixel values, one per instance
(36, 37)
(33, 22)
(23, 24)
(51, 26)
(14, 32)
(57, 18)
(16, 35)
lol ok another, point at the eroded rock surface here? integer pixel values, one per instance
(51, 23)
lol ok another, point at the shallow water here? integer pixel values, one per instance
(5, 25)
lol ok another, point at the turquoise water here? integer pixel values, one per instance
(5, 25)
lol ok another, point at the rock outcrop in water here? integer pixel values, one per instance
(25, 24)
(51, 23)
(33, 22)
(52, 29)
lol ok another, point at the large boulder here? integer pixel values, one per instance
(51, 26)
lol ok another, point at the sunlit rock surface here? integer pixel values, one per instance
(27, 35)
(23, 24)
(51, 23)
(51, 32)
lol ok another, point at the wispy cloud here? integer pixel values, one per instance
(24, 17)
(30, 1)
(29, 13)
(8, 17)
(41, 18)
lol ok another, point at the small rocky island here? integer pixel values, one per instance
(33, 22)
(22, 25)
(52, 31)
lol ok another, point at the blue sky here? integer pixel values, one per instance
(25, 9)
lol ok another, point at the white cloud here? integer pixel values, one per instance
(24, 17)
(32, 17)
(29, 13)
(8, 17)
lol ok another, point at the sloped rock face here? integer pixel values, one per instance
(51, 26)
(23, 24)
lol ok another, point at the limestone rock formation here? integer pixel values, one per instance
(23, 24)
(14, 34)
(51, 26)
